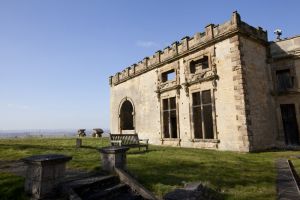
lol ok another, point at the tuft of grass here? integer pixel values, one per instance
(234, 175)
(296, 164)
(86, 157)
(11, 187)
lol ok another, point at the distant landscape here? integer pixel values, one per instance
(45, 133)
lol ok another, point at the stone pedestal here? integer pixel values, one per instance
(113, 157)
(78, 142)
(81, 133)
(43, 174)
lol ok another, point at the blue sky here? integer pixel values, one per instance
(56, 55)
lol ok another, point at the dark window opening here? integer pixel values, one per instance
(197, 122)
(199, 65)
(290, 125)
(169, 118)
(208, 121)
(284, 80)
(126, 116)
(202, 115)
(168, 76)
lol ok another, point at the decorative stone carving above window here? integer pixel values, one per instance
(199, 70)
(204, 76)
(167, 85)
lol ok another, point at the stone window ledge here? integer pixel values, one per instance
(170, 139)
(205, 140)
(287, 92)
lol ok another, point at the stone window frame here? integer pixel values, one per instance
(279, 67)
(195, 59)
(164, 76)
(280, 126)
(214, 116)
(168, 68)
(168, 95)
(119, 113)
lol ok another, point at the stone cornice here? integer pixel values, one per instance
(212, 35)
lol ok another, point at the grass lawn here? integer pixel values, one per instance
(236, 175)
(296, 164)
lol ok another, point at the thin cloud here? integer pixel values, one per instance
(17, 106)
(146, 44)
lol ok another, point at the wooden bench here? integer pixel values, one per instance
(128, 140)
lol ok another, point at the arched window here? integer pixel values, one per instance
(126, 116)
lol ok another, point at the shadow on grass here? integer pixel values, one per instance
(89, 147)
(31, 146)
(167, 173)
(11, 187)
(136, 151)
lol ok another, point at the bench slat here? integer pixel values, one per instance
(129, 140)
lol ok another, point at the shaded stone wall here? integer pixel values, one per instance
(259, 104)
(285, 54)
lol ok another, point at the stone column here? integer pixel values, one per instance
(113, 157)
(44, 173)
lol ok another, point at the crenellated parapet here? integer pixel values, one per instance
(213, 33)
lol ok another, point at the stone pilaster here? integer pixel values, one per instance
(240, 95)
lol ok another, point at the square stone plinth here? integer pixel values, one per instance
(43, 174)
(113, 157)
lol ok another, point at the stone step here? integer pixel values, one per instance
(127, 196)
(106, 187)
(94, 185)
(108, 193)
(93, 180)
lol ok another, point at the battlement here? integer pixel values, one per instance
(187, 44)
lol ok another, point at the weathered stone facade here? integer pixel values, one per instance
(285, 57)
(214, 90)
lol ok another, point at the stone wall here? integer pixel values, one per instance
(231, 49)
(226, 97)
(285, 54)
(141, 91)
(260, 109)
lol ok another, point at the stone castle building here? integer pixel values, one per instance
(227, 88)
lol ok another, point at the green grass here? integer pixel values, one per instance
(83, 158)
(236, 175)
(296, 164)
(11, 187)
